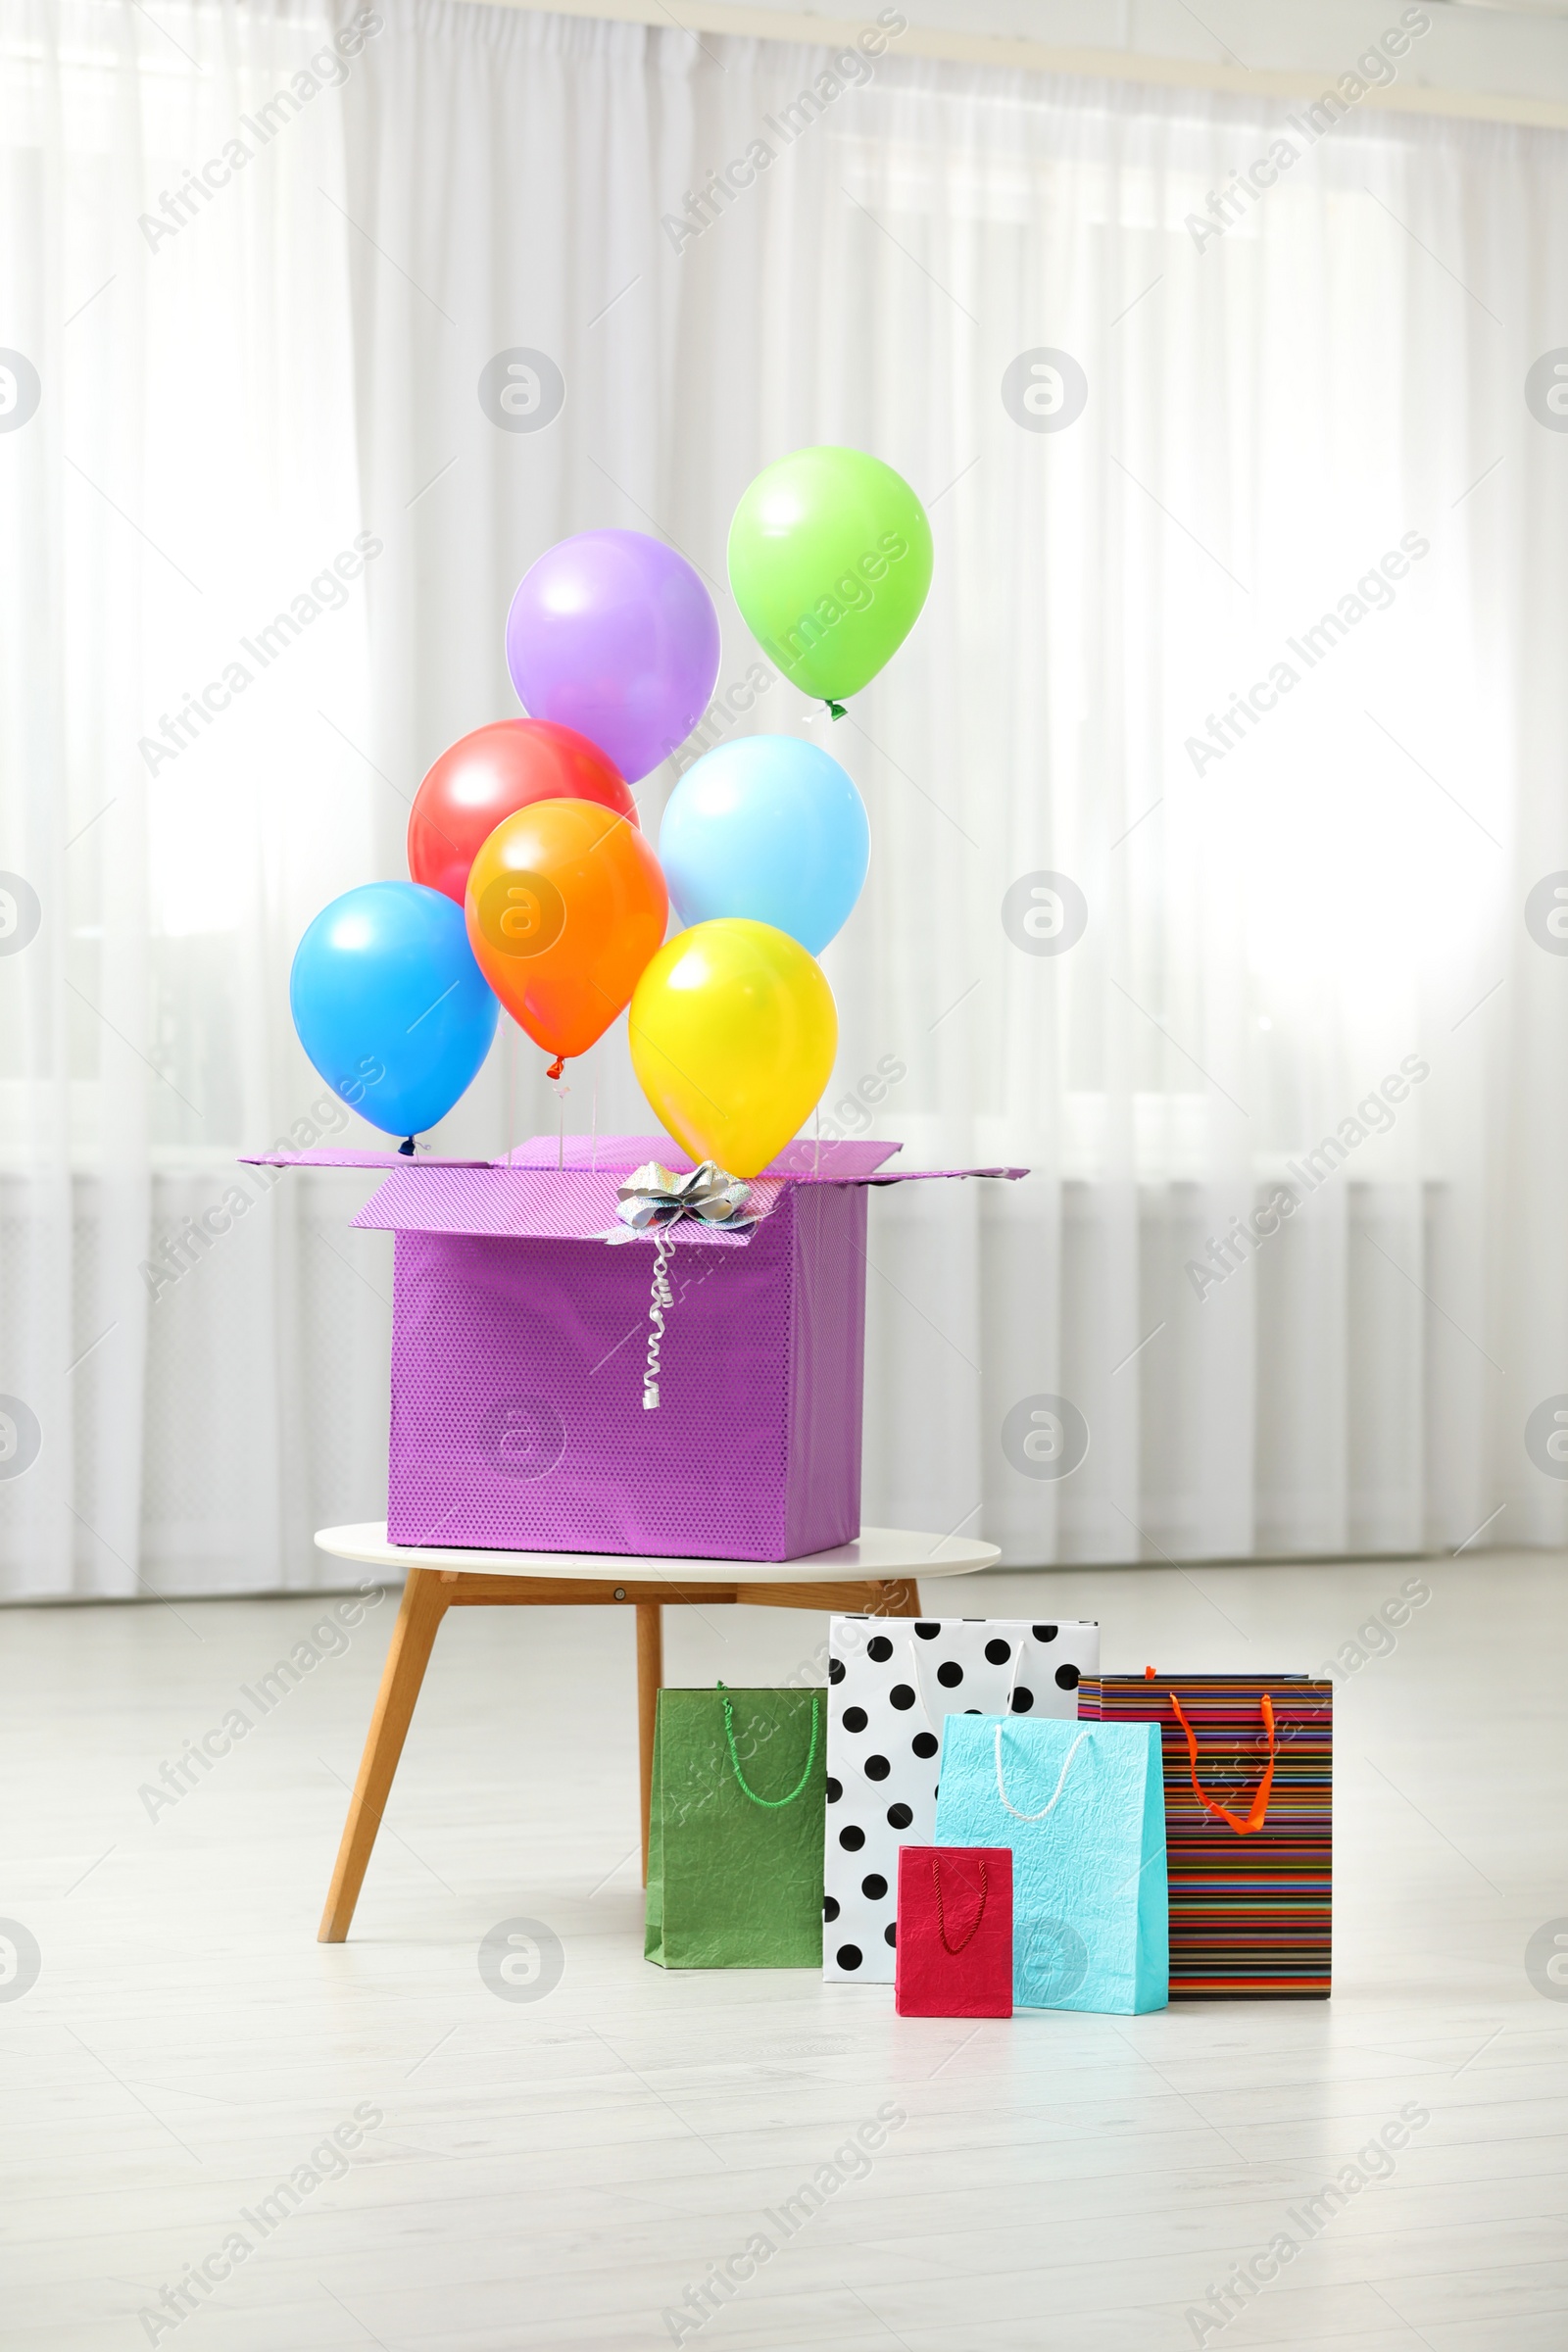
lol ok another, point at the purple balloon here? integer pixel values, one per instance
(613, 633)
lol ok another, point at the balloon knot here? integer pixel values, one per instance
(407, 1147)
(835, 710)
(557, 1066)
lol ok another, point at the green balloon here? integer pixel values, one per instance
(830, 559)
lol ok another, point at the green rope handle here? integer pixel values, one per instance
(772, 1802)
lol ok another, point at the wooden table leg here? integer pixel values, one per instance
(649, 1678)
(900, 1598)
(423, 1605)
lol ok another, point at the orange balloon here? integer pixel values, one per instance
(566, 903)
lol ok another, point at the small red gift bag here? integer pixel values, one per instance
(954, 1932)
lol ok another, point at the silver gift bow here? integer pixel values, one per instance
(653, 1198)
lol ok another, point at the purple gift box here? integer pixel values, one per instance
(519, 1335)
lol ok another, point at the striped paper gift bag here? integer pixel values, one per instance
(1247, 1768)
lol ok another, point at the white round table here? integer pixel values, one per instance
(879, 1574)
(877, 1553)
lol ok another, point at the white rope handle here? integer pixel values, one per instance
(1061, 1785)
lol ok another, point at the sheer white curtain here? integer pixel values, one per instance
(1274, 924)
(1170, 874)
(177, 796)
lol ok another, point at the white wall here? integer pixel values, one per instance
(1473, 48)
(1469, 48)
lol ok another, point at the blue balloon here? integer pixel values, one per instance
(768, 827)
(390, 1005)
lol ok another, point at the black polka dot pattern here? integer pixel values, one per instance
(893, 1682)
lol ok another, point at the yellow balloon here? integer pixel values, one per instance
(733, 1035)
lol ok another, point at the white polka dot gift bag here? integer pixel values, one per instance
(893, 1683)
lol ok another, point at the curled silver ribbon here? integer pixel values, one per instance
(653, 1198)
(656, 1196)
(663, 1298)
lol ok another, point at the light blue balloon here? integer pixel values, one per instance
(390, 1005)
(768, 827)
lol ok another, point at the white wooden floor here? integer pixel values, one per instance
(559, 2171)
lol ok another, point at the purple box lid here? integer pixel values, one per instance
(555, 1207)
(604, 1154)
(801, 1162)
(531, 1204)
(546, 1202)
(827, 1163)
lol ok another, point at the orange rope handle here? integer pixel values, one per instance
(1258, 1811)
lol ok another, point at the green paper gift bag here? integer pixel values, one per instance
(735, 1840)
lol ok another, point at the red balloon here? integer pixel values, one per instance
(491, 774)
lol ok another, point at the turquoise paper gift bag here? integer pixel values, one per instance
(1082, 1805)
